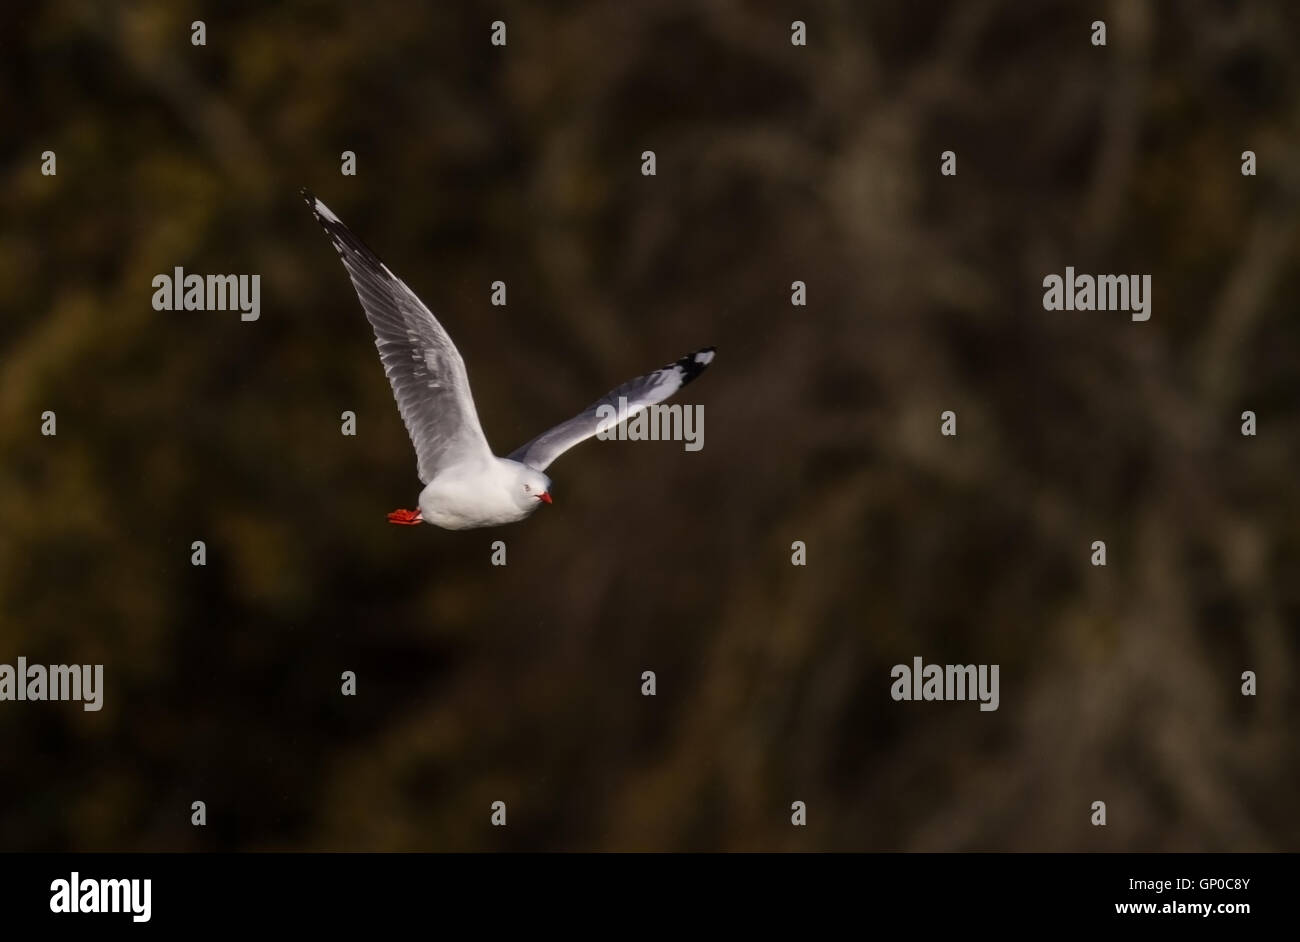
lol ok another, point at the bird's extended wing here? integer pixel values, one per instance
(423, 365)
(639, 393)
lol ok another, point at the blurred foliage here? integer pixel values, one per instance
(774, 163)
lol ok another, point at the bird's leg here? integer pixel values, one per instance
(407, 518)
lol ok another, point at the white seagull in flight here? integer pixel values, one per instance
(465, 485)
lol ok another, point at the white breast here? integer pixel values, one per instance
(464, 497)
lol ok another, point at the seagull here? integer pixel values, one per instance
(465, 484)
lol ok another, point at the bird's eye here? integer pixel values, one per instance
(527, 489)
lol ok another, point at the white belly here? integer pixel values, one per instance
(461, 502)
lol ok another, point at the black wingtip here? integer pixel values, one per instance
(313, 204)
(350, 248)
(693, 364)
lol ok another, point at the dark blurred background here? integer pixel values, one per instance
(775, 163)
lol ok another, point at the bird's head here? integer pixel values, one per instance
(534, 488)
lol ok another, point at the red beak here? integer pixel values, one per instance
(545, 495)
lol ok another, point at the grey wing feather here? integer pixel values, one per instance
(423, 366)
(639, 393)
